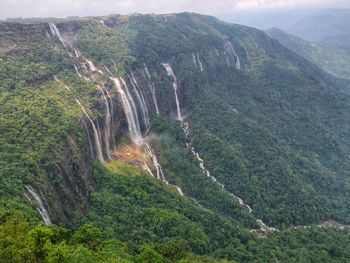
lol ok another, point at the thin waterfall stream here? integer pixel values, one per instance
(41, 209)
(170, 73)
(187, 132)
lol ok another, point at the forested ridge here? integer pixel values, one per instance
(168, 138)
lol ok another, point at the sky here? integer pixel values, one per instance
(64, 8)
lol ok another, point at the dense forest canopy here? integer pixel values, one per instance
(168, 138)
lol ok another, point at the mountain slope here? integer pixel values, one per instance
(329, 27)
(333, 60)
(113, 121)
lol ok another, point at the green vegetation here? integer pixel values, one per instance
(110, 47)
(275, 133)
(23, 241)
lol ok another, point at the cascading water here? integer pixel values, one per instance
(179, 190)
(56, 32)
(96, 133)
(77, 71)
(107, 69)
(200, 63)
(110, 99)
(89, 138)
(186, 129)
(135, 131)
(91, 65)
(77, 53)
(151, 87)
(170, 72)
(160, 174)
(194, 59)
(130, 112)
(108, 120)
(141, 101)
(230, 48)
(97, 137)
(108, 105)
(41, 209)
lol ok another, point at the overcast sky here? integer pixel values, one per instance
(63, 8)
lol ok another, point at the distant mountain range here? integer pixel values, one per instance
(330, 27)
(332, 59)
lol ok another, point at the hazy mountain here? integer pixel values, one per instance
(265, 19)
(168, 138)
(333, 60)
(331, 27)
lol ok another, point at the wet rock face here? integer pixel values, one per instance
(67, 184)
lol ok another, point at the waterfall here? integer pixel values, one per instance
(159, 170)
(85, 69)
(56, 32)
(135, 131)
(108, 120)
(141, 101)
(111, 108)
(89, 138)
(110, 102)
(96, 133)
(107, 69)
(194, 59)
(200, 63)
(130, 112)
(186, 129)
(77, 53)
(170, 72)
(160, 174)
(77, 71)
(151, 87)
(41, 209)
(230, 48)
(179, 190)
(91, 65)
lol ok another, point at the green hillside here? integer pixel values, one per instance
(168, 138)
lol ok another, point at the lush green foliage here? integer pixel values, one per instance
(109, 46)
(276, 133)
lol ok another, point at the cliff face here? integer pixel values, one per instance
(247, 105)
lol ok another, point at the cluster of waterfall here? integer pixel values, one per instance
(231, 54)
(133, 103)
(137, 116)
